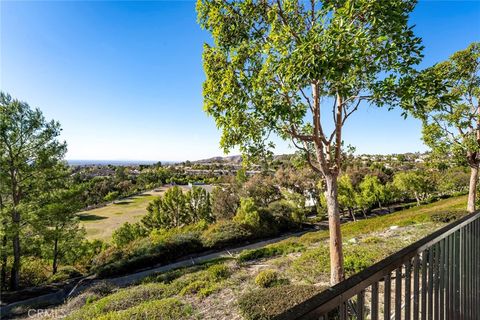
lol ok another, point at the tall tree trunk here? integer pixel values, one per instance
(336, 251)
(55, 257)
(3, 271)
(472, 191)
(15, 274)
(15, 215)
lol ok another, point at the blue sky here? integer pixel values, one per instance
(125, 78)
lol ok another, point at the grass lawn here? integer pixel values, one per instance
(101, 222)
(293, 269)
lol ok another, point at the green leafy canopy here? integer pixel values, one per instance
(267, 55)
(450, 105)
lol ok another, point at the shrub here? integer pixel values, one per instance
(448, 215)
(121, 300)
(372, 240)
(247, 213)
(88, 296)
(173, 234)
(200, 287)
(127, 233)
(218, 272)
(359, 257)
(34, 272)
(165, 309)
(312, 264)
(266, 303)
(272, 250)
(283, 213)
(267, 278)
(225, 233)
(225, 201)
(201, 280)
(65, 273)
(315, 263)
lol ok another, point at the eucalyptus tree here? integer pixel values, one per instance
(282, 67)
(452, 116)
(29, 153)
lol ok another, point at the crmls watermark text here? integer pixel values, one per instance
(51, 313)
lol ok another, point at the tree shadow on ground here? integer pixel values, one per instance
(90, 217)
(121, 203)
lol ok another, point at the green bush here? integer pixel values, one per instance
(281, 248)
(65, 273)
(247, 213)
(372, 240)
(173, 234)
(218, 272)
(34, 272)
(283, 213)
(200, 287)
(359, 257)
(448, 215)
(267, 278)
(127, 233)
(90, 295)
(266, 303)
(120, 300)
(225, 233)
(165, 309)
(312, 264)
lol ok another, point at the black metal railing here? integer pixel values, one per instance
(436, 278)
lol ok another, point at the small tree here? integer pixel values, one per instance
(167, 211)
(413, 184)
(247, 213)
(451, 118)
(174, 205)
(368, 193)
(275, 65)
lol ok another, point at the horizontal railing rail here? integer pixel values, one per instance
(437, 277)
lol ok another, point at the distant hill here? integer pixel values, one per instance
(237, 159)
